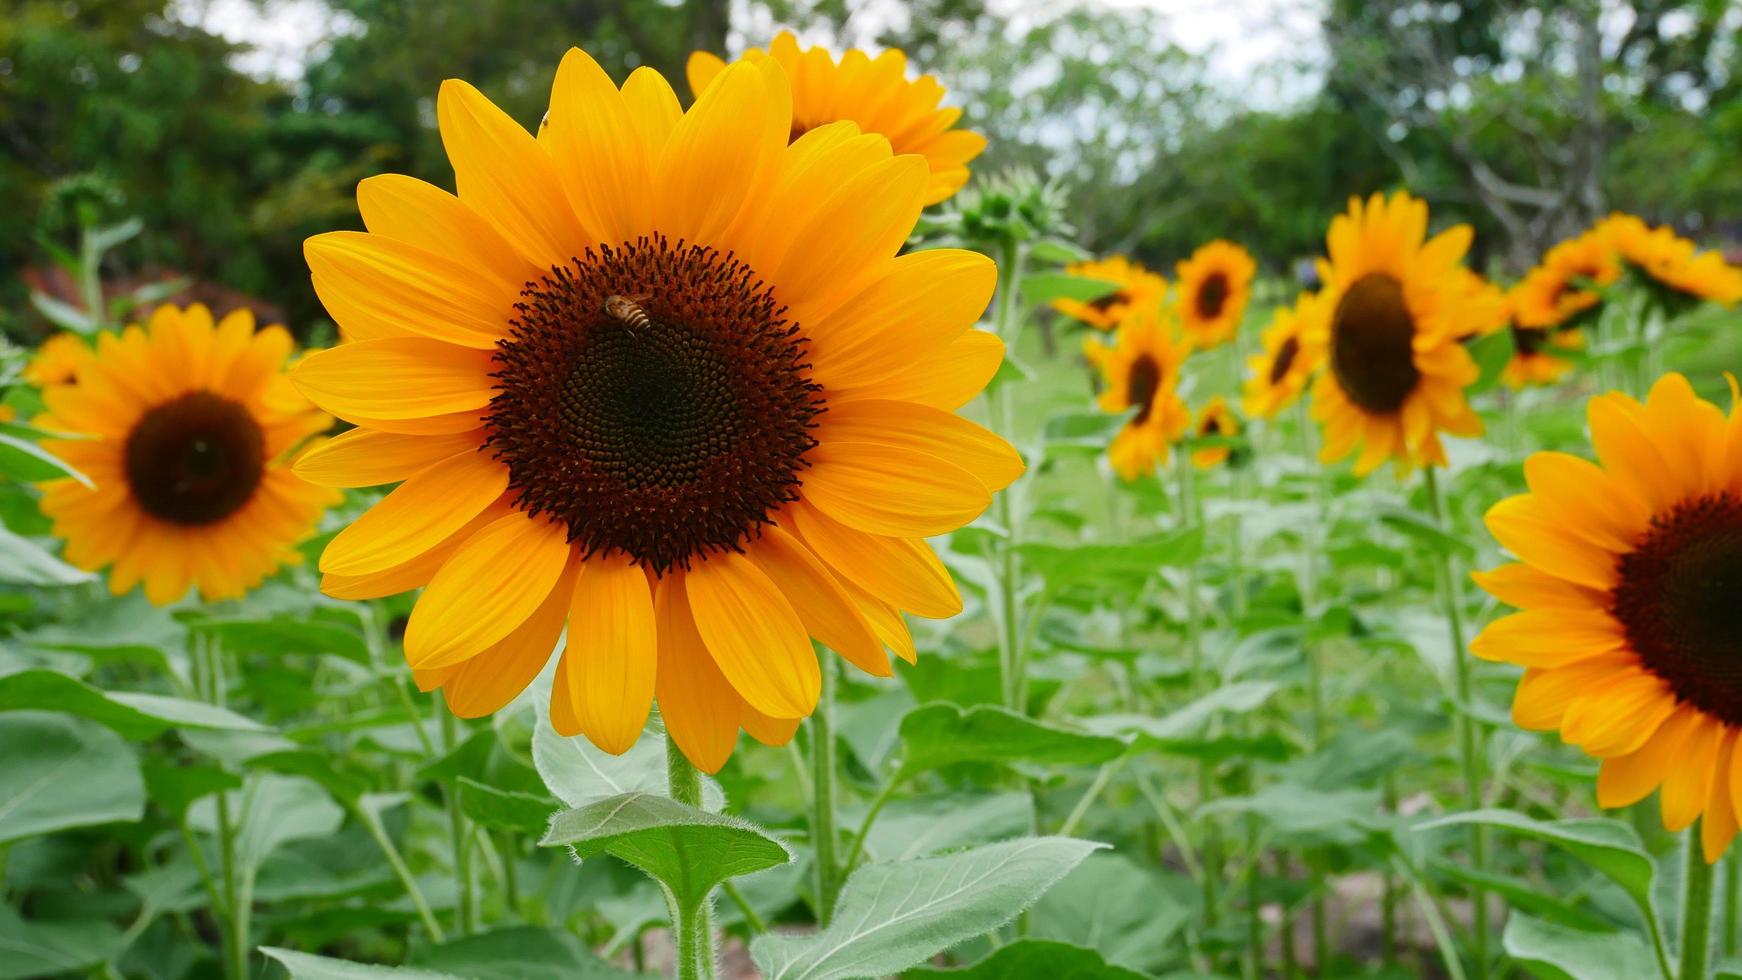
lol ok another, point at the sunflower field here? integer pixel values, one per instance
(760, 508)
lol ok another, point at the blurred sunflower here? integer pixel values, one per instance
(1215, 419)
(1627, 576)
(1280, 372)
(1138, 288)
(1141, 370)
(58, 361)
(184, 428)
(1533, 361)
(661, 375)
(1394, 306)
(872, 93)
(1557, 292)
(1670, 260)
(1214, 285)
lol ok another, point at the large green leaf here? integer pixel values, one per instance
(916, 826)
(501, 809)
(577, 772)
(517, 954)
(687, 850)
(1038, 958)
(1130, 914)
(61, 771)
(1048, 286)
(139, 716)
(23, 461)
(288, 635)
(1190, 720)
(1609, 847)
(31, 948)
(942, 734)
(1115, 566)
(24, 562)
(1304, 814)
(307, 966)
(1558, 953)
(270, 811)
(898, 915)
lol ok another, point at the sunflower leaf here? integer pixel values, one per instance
(135, 716)
(1561, 953)
(1047, 287)
(942, 734)
(60, 772)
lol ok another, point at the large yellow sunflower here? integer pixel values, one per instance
(1214, 419)
(659, 375)
(1214, 285)
(1138, 288)
(58, 360)
(872, 93)
(1628, 574)
(1670, 260)
(1141, 370)
(1556, 293)
(1280, 372)
(183, 427)
(1394, 306)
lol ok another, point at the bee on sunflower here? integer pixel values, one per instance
(1279, 372)
(1214, 285)
(874, 94)
(660, 375)
(1394, 308)
(1626, 578)
(1564, 290)
(1138, 288)
(1140, 371)
(1215, 419)
(184, 428)
(58, 361)
(1679, 274)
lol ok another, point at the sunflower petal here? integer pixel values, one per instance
(753, 635)
(496, 580)
(697, 703)
(613, 651)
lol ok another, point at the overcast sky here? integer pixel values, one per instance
(1243, 40)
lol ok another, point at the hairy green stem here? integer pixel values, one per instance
(1696, 909)
(1005, 323)
(1732, 885)
(823, 796)
(466, 913)
(858, 844)
(694, 926)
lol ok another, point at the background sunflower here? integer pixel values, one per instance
(1138, 289)
(1140, 371)
(1213, 287)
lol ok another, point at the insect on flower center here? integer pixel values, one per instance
(653, 399)
(1372, 345)
(1212, 296)
(1677, 601)
(195, 460)
(1285, 355)
(1142, 381)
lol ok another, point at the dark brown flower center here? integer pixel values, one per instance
(1142, 381)
(1102, 304)
(1212, 296)
(653, 399)
(1680, 602)
(1285, 355)
(195, 460)
(1528, 341)
(1212, 426)
(1372, 345)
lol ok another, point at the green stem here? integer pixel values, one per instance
(1005, 323)
(372, 823)
(1696, 909)
(235, 937)
(823, 797)
(1732, 885)
(1468, 740)
(751, 919)
(1430, 913)
(1089, 796)
(457, 830)
(858, 844)
(695, 940)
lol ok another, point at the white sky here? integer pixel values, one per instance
(1243, 40)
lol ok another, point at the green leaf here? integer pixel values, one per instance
(287, 635)
(271, 811)
(1189, 721)
(1424, 530)
(24, 562)
(1034, 958)
(1130, 914)
(942, 734)
(1120, 566)
(1491, 353)
(500, 809)
(63, 315)
(1304, 813)
(1608, 847)
(60, 771)
(26, 462)
(916, 826)
(1558, 953)
(39, 948)
(1048, 286)
(307, 966)
(1056, 251)
(577, 772)
(523, 953)
(136, 716)
(898, 915)
(687, 850)
(176, 787)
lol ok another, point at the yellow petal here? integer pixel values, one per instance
(753, 635)
(417, 213)
(612, 652)
(1540, 537)
(1688, 783)
(948, 379)
(851, 237)
(822, 605)
(1587, 500)
(712, 158)
(929, 431)
(380, 287)
(1718, 823)
(417, 515)
(766, 729)
(701, 70)
(396, 378)
(894, 492)
(901, 571)
(1628, 452)
(600, 156)
(1549, 637)
(367, 458)
(1518, 584)
(488, 681)
(653, 109)
(1544, 695)
(698, 705)
(491, 585)
(1625, 780)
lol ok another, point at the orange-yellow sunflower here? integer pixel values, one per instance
(1280, 372)
(1214, 285)
(1628, 574)
(184, 428)
(1214, 419)
(1533, 361)
(58, 360)
(1394, 306)
(1138, 288)
(661, 376)
(874, 94)
(1671, 261)
(1557, 292)
(1141, 371)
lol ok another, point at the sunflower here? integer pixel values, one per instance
(1214, 285)
(1627, 576)
(58, 360)
(1281, 370)
(1533, 362)
(1137, 287)
(1557, 292)
(873, 94)
(184, 428)
(662, 376)
(1394, 306)
(1141, 371)
(1215, 419)
(1671, 261)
